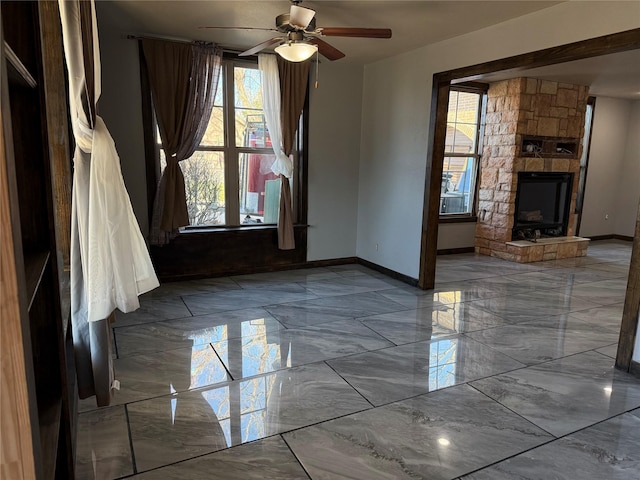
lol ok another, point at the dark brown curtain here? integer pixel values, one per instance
(294, 78)
(183, 79)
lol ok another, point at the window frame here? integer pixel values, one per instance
(231, 153)
(481, 89)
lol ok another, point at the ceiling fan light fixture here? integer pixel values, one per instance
(296, 51)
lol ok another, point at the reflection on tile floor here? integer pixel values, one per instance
(503, 371)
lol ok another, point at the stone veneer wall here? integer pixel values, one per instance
(516, 108)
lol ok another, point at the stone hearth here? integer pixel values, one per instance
(522, 111)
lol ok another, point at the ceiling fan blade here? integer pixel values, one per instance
(355, 32)
(260, 46)
(328, 51)
(300, 17)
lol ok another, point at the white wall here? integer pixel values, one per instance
(629, 186)
(604, 174)
(383, 120)
(121, 110)
(334, 153)
(456, 235)
(397, 102)
(334, 145)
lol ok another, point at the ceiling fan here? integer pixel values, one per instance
(300, 39)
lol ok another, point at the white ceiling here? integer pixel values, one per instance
(414, 24)
(616, 75)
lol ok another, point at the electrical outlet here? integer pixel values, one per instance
(376, 247)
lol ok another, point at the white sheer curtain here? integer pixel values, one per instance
(268, 66)
(110, 264)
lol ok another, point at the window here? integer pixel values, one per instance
(228, 179)
(462, 151)
(584, 161)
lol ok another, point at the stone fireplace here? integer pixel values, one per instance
(533, 128)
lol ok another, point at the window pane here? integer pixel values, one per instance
(214, 135)
(248, 90)
(251, 129)
(259, 189)
(204, 187)
(458, 180)
(462, 122)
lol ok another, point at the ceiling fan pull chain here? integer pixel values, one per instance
(317, 68)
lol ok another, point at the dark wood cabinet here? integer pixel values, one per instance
(38, 379)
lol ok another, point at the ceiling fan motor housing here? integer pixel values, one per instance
(283, 25)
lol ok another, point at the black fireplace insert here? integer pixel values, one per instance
(543, 202)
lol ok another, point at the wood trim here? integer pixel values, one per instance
(216, 253)
(591, 101)
(593, 47)
(23, 71)
(18, 436)
(612, 236)
(388, 272)
(607, 44)
(330, 262)
(435, 162)
(57, 127)
(458, 219)
(634, 369)
(628, 329)
(454, 251)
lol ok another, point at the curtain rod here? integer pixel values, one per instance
(175, 40)
(181, 40)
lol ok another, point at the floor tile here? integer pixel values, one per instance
(619, 269)
(436, 436)
(534, 304)
(469, 290)
(237, 299)
(191, 287)
(565, 395)
(189, 418)
(268, 459)
(545, 339)
(610, 450)
(264, 353)
(181, 426)
(347, 285)
(429, 323)
(103, 452)
(587, 273)
(261, 280)
(330, 309)
(604, 292)
(151, 375)
(541, 280)
(200, 330)
(608, 316)
(153, 309)
(609, 351)
(400, 372)
(413, 298)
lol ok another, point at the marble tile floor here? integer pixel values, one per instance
(503, 371)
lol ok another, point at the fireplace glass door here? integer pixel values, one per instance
(543, 202)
